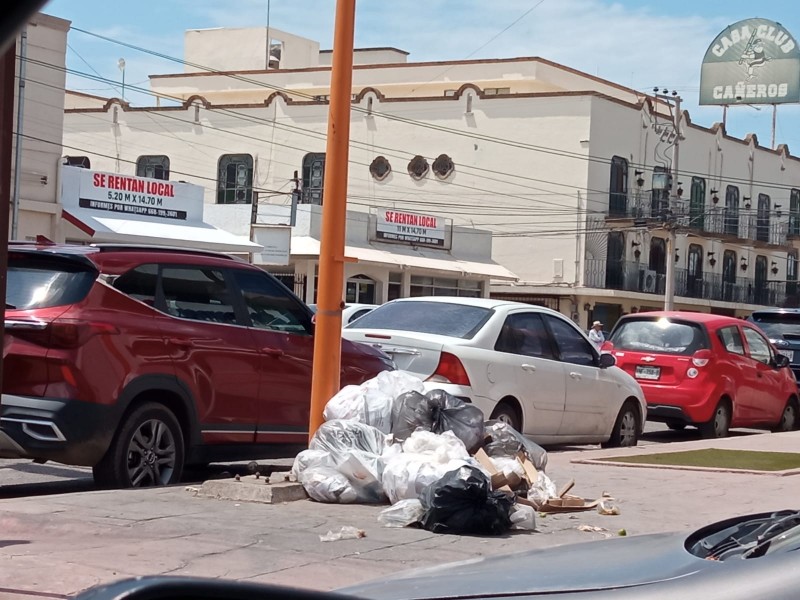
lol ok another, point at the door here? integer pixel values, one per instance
(766, 402)
(592, 394)
(694, 272)
(697, 203)
(615, 257)
(740, 368)
(282, 330)
(524, 354)
(212, 350)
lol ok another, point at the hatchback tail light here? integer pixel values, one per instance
(607, 347)
(701, 358)
(450, 370)
(59, 333)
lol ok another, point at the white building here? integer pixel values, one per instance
(560, 166)
(34, 185)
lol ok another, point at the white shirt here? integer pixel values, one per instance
(596, 337)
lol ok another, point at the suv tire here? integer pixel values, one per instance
(147, 450)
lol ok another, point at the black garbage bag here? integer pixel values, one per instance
(453, 414)
(504, 440)
(410, 411)
(463, 502)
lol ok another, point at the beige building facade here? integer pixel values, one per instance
(564, 169)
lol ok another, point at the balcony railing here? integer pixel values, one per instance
(743, 224)
(635, 277)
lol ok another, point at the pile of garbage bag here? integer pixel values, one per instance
(433, 457)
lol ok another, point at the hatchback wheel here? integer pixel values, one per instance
(146, 451)
(626, 428)
(718, 426)
(788, 420)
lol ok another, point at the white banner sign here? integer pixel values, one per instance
(411, 228)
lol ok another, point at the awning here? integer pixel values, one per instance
(194, 234)
(400, 256)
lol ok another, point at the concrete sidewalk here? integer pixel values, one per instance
(55, 546)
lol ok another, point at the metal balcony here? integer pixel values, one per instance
(636, 277)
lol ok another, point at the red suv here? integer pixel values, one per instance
(136, 361)
(711, 371)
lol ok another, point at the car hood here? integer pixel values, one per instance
(615, 563)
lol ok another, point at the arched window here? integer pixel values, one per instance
(235, 179)
(313, 178)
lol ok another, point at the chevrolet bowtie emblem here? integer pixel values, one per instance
(649, 358)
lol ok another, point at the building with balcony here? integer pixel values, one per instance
(565, 170)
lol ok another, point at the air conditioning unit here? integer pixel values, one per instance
(647, 280)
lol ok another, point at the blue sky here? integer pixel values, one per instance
(637, 44)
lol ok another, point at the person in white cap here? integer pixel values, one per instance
(596, 335)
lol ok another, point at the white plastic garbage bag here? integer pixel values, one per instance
(542, 490)
(355, 450)
(402, 514)
(325, 484)
(523, 517)
(308, 459)
(371, 402)
(441, 447)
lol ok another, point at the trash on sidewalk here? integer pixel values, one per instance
(347, 532)
(402, 514)
(434, 458)
(463, 502)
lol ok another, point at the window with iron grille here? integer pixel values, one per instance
(235, 179)
(154, 167)
(313, 178)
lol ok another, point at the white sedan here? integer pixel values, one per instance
(523, 364)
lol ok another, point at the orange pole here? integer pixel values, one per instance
(328, 337)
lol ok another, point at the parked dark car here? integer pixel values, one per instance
(782, 326)
(137, 361)
(711, 371)
(751, 556)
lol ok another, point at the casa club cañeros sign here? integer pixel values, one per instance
(754, 61)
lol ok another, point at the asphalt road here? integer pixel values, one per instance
(20, 478)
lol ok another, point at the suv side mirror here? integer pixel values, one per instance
(609, 360)
(781, 361)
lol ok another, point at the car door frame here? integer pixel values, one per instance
(286, 353)
(767, 374)
(541, 414)
(582, 418)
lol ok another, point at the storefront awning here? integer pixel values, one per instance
(400, 256)
(198, 234)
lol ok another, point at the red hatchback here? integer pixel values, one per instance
(711, 371)
(136, 361)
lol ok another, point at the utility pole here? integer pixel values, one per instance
(325, 378)
(674, 101)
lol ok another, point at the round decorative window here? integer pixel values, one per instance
(380, 168)
(418, 167)
(443, 166)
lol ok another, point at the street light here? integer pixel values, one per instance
(121, 65)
